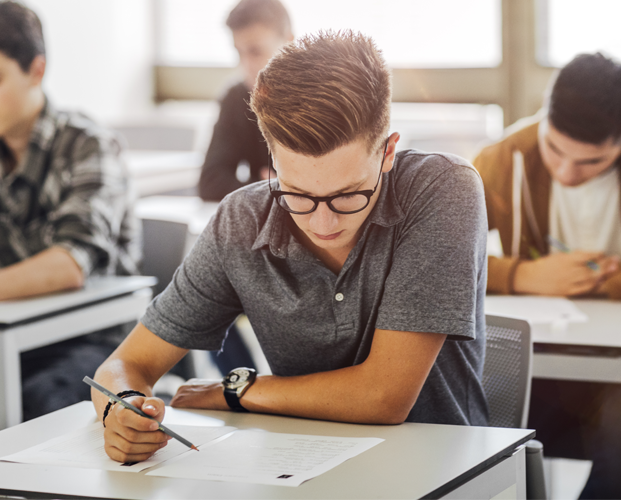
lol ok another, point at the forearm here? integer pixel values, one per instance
(51, 270)
(137, 364)
(366, 393)
(345, 395)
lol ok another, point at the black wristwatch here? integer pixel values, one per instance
(235, 384)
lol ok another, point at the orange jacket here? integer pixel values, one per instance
(495, 163)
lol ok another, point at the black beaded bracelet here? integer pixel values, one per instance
(122, 394)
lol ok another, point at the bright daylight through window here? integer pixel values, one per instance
(412, 33)
(570, 27)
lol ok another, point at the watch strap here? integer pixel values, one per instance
(232, 400)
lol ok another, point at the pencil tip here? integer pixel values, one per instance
(195, 448)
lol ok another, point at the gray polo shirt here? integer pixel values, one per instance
(419, 266)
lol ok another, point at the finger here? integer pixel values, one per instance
(609, 265)
(137, 443)
(130, 420)
(187, 400)
(586, 256)
(154, 407)
(583, 287)
(133, 436)
(133, 456)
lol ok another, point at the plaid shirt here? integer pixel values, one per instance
(70, 190)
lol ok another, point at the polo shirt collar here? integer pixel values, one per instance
(275, 232)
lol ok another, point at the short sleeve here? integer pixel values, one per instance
(437, 280)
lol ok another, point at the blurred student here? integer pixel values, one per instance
(237, 155)
(556, 178)
(362, 270)
(64, 209)
(260, 28)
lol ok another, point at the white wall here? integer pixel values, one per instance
(100, 55)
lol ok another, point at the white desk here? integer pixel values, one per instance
(189, 210)
(159, 171)
(30, 323)
(416, 460)
(588, 351)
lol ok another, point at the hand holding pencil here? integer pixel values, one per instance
(130, 436)
(567, 273)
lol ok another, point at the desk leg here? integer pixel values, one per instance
(10, 381)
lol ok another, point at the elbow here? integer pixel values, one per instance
(73, 277)
(390, 409)
(77, 280)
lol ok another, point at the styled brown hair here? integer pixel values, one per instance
(585, 102)
(322, 92)
(269, 13)
(21, 35)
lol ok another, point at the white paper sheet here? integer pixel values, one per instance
(84, 448)
(254, 456)
(535, 309)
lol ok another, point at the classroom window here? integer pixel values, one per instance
(411, 33)
(570, 27)
(453, 128)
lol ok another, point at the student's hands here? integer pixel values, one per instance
(564, 274)
(200, 393)
(130, 437)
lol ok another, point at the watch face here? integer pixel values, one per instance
(236, 378)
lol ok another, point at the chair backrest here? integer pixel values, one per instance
(164, 249)
(507, 370)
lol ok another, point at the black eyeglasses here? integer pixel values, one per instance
(344, 203)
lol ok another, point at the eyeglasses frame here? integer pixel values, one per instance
(368, 193)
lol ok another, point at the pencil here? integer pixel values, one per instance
(131, 407)
(559, 245)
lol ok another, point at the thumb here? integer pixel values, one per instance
(154, 407)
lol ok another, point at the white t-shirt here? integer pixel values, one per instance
(588, 217)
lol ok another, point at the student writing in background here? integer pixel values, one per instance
(557, 177)
(64, 209)
(260, 28)
(362, 270)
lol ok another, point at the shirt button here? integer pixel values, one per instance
(339, 297)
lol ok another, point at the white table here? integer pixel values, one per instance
(30, 323)
(415, 460)
(188, 210)
(160, 171)
(588, 351)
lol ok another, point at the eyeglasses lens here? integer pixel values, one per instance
(347, 203)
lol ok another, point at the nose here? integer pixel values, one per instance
(323, 221)
(566, 173)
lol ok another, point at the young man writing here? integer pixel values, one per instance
(556, 177)
(562, 171)
(64, 208)
(362, 271)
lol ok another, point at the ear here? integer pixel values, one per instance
(37, 70)
(391, 151)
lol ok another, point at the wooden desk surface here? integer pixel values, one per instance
(415, 460)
